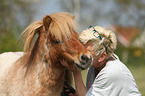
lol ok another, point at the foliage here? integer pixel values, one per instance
(9, 43)
(14, 16)
(136, 55)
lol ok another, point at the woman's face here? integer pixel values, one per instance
(96, 58)
(89, 46)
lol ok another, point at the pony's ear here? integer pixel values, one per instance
(46, 21)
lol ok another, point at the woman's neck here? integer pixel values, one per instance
(102, 65)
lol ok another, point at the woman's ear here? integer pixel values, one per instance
(89, 43)
(102, 57)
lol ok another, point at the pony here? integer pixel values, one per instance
(38, 70)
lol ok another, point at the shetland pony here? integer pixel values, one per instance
(38, 71)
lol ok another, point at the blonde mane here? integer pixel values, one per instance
(61, 26)
(29, 33)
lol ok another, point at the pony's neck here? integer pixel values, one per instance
(51, 78)
(48, 75)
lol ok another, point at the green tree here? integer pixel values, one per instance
(15, 15)
(8, 43)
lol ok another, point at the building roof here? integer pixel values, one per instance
(125, 35)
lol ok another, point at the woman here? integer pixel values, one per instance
(108, 76)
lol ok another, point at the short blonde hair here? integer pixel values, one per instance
(104, 40)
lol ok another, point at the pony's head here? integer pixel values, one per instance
(57, 40)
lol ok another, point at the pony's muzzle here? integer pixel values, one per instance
(85, 59)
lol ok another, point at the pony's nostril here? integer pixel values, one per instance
(84, 58)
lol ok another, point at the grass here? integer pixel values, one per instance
(138, 74)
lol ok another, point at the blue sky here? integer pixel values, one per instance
(47, 7)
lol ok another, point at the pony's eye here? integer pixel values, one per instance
(58, 41)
